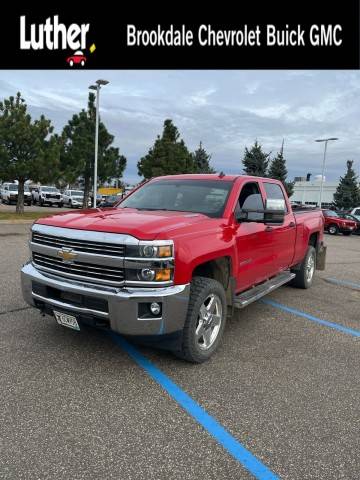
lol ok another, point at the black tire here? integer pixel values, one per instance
(60, 205)
(333, 229)
(346, 233)
(201, 289)
(302, 279)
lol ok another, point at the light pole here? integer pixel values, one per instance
(326, 140)
(97, 87)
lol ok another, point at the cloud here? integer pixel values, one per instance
(226, 110)
(201, 98)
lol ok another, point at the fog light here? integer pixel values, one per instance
(148, 274)
(155, 308)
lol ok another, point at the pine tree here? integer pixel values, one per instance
(279, 171)
(78, 151)
(28, 149)
(202, 160)
(168, 156)
(255, 161)
(347, 194)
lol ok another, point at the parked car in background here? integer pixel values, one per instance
(355, 211)
(9, 193)
(354, 218)
(99, 198)
(110, 201)
(335, 224)
(45, 195)
(73, 198)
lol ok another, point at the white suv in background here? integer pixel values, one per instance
(9, 193)
(73, 198)
(47, 195)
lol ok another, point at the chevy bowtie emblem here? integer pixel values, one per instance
(67, 255)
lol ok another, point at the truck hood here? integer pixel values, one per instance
(144, 225)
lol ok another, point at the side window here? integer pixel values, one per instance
(357, 211)
(250, 198)
(274, 191)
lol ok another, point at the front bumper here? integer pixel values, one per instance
(52, 200)
(122, 314)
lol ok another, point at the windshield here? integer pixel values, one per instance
(198, 196)
(77, 193)
(49, 189)
(330, 213)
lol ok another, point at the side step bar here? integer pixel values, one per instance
(249, 296)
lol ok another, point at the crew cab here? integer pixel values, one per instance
(173, 259)
(47, 196)
(9, 193)
(335, 223)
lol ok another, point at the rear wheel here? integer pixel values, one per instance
(305, 275)
(205, 320)
(333, 229)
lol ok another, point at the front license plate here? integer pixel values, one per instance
(66, 320)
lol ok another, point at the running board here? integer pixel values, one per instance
(249, 296)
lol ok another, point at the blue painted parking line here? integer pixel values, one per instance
(299, 313)
(233, 446)
(343, 283)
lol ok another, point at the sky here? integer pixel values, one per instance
(225, 109)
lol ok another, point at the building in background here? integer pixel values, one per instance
(308, 192)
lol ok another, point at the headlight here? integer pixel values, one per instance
(149, 251)
(150, 263)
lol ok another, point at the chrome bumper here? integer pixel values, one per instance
(123, 304)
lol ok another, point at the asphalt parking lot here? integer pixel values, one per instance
(284, 385)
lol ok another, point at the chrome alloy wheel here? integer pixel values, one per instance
(209, 322)
(310, 267)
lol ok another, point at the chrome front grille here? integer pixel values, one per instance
(97, 248)
(79, 270)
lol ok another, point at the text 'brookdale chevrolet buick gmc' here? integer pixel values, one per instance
(172, 259)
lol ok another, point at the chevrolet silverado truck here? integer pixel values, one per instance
(171, 261)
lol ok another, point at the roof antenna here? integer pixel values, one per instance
(221, 174)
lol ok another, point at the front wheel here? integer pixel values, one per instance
(305, 275)
(205, 320)
(333, 229)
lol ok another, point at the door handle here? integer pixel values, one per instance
(269, 229)
(292, 224)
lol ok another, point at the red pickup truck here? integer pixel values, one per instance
(172, 259)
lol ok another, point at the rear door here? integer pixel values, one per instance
(282, 237)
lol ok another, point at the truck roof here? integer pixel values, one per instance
(211, 176)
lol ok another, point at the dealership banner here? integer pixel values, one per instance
(275, 35)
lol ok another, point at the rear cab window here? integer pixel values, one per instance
(275, 192)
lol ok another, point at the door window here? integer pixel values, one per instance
(250, 198)
(274, 192)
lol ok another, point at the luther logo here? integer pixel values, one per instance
(53, 35)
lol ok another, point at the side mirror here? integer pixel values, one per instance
(274, 211)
